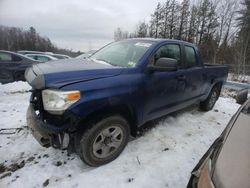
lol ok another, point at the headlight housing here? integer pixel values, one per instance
(56, 102)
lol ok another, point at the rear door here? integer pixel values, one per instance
(6, 67)
(192, 74)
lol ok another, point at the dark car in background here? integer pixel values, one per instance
(13, 66)
(227, 162)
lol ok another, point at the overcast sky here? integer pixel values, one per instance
(76, 24)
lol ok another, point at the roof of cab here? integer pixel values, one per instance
(159, 40)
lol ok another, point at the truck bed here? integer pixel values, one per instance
(206, 65)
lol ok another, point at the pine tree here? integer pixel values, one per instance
(142, 30)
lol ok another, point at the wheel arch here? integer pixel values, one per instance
(217, 84)
(214, 83)
(125, 111)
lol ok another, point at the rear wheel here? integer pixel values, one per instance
(104, 140)
(19, 76)
(209, 103)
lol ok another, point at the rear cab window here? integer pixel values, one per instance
(191, 60)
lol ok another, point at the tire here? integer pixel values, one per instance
(103, 141)
(6, 77)
(241, 96)
(209, 103)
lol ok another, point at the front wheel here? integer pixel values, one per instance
(209, 103)
(104, 140)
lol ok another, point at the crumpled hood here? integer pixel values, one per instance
(56, 74)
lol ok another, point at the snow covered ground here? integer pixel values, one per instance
(162, 157)
(238, 78)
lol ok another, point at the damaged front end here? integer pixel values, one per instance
(50, 130)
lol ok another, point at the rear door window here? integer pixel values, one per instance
(190, 56)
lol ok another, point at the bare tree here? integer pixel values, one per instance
(184, 16)
(164, 26)
(226, 13)
(244, 34)
(173, 19)
(193, 27)
(155, 22)
(118, 34)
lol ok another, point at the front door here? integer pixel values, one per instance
(164, 89)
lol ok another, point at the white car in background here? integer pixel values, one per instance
(41, 57)
(86, 55)
(60, 56)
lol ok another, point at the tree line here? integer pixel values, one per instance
(14, 39)
(220, 28)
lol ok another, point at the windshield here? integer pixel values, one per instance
(122, 53)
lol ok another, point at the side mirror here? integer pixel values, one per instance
(164, 65)
(241, 96)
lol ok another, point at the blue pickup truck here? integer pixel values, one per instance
(92, 106)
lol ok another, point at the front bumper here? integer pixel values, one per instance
(45, 133)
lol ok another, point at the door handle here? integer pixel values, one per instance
(181, 77)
